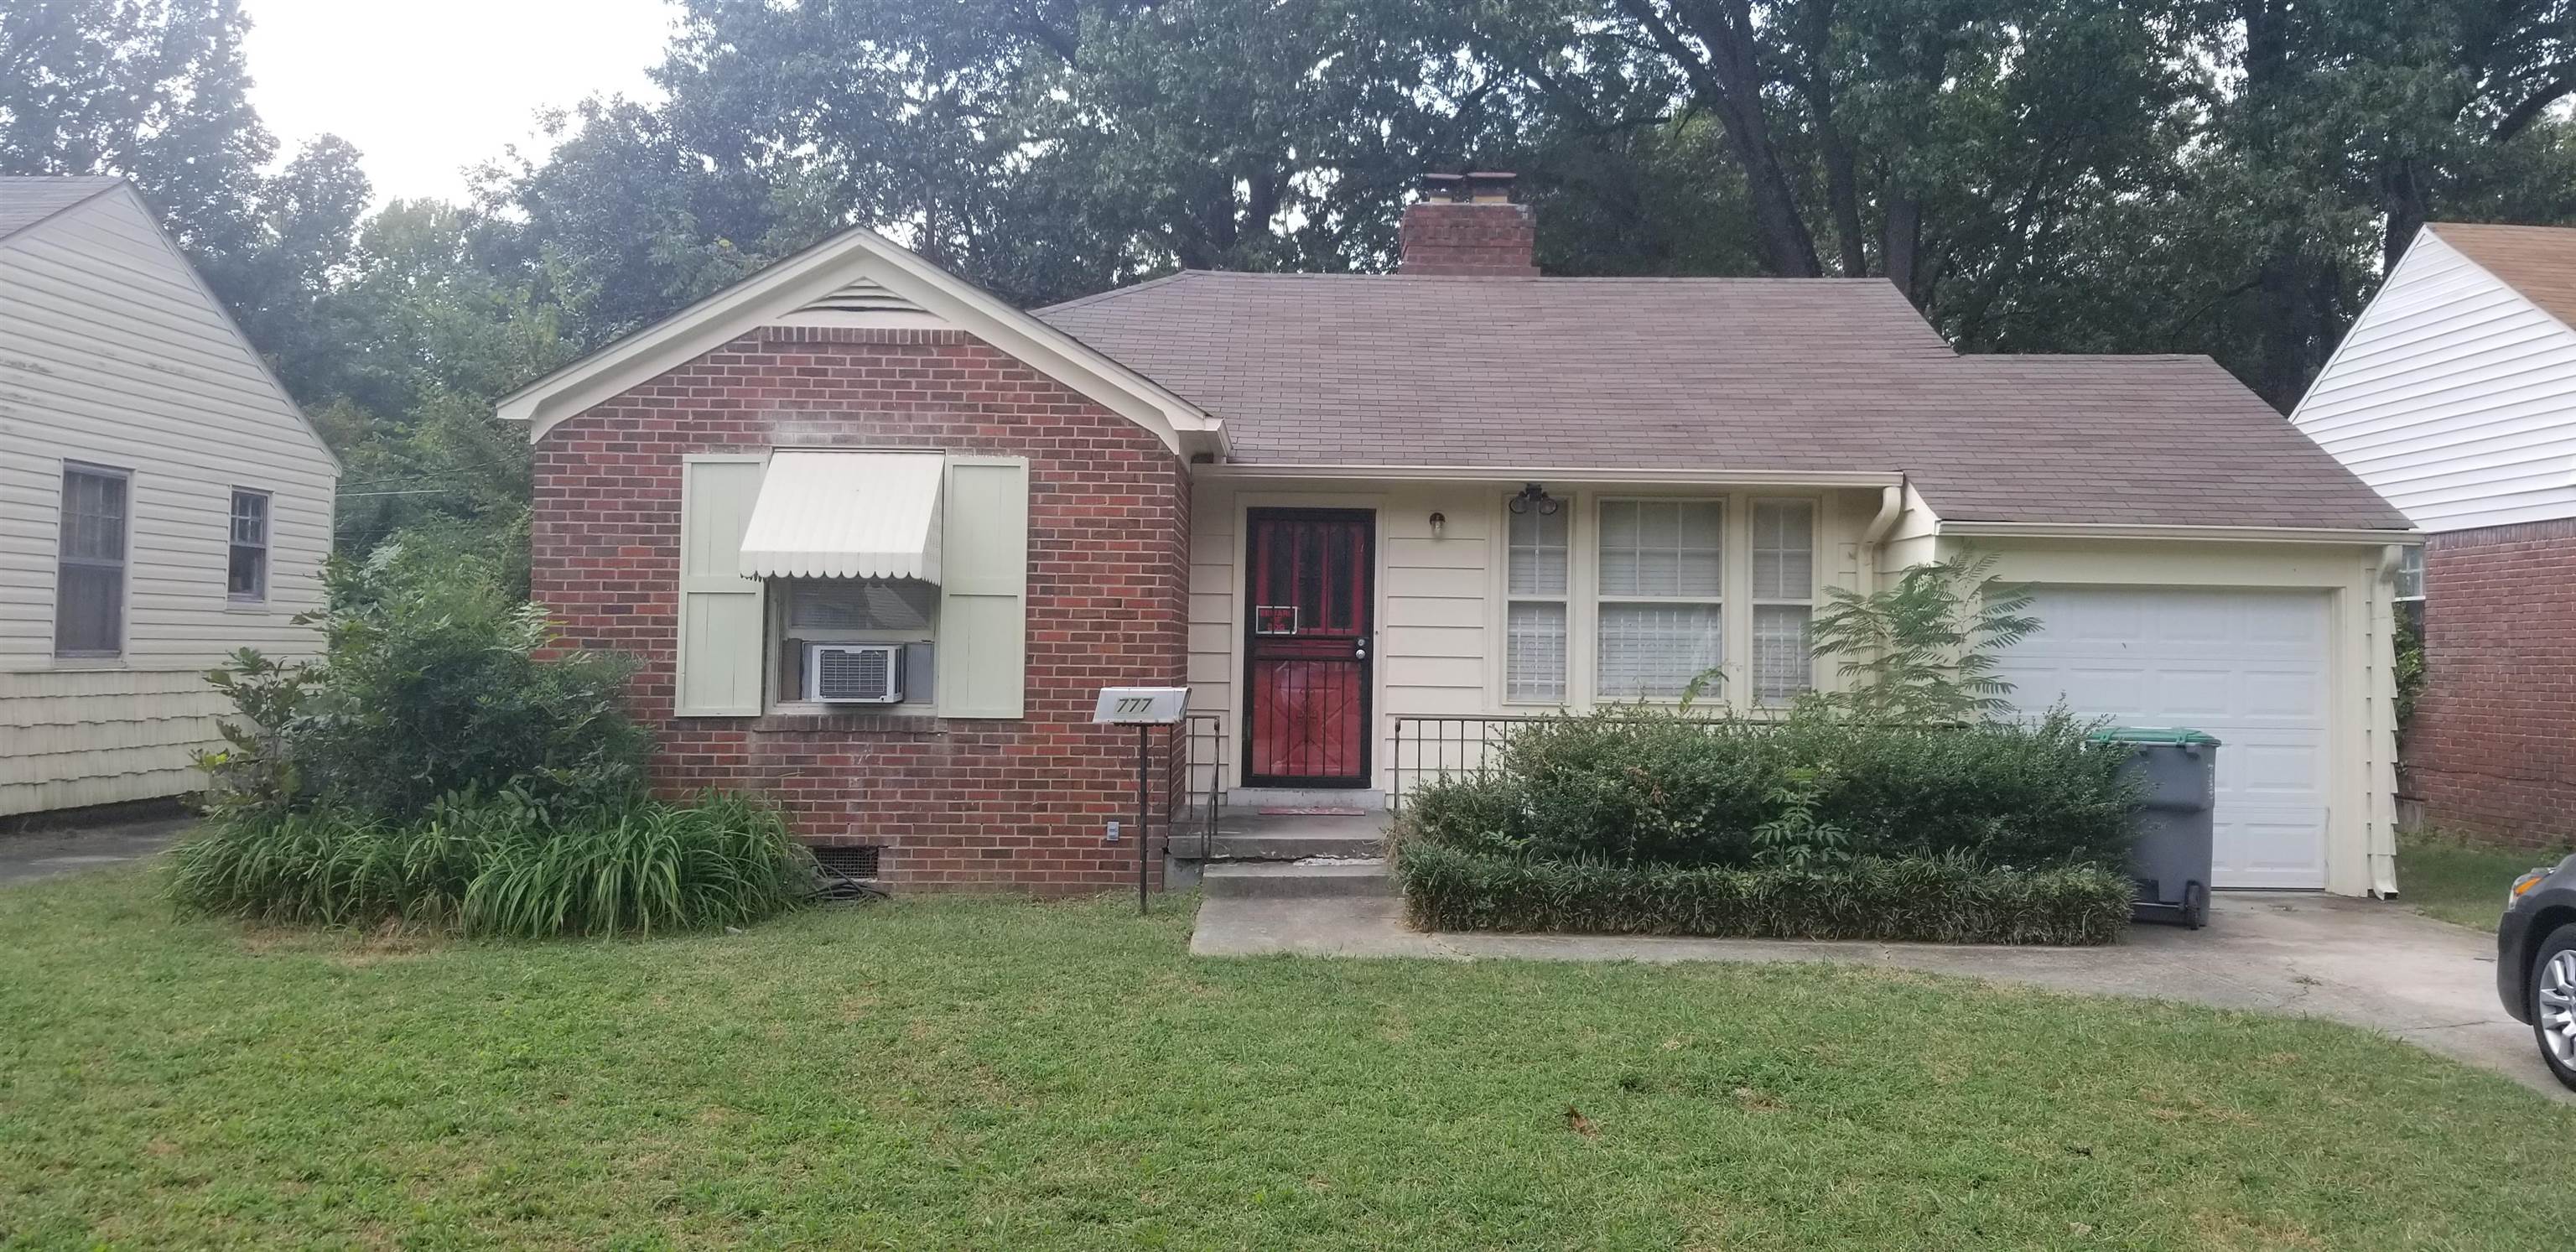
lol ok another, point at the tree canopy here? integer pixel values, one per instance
(2228, 177)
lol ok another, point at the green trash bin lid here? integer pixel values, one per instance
(2155, 734)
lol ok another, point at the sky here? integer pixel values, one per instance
(426, 90)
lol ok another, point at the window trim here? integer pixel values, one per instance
(1757, 601)
(1723, 602)
(123, 565)
(1569, 508)
(267, 545)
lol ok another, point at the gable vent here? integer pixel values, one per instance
(863, 296)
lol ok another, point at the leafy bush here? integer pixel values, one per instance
(434, 681)
(1637, 786)
(502, 866)
(446, 764)
(1923, 650)
(1947, 899)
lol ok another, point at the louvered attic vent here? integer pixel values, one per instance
(863, 296)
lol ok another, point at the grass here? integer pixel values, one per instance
(999, 1074)
(2460, 882)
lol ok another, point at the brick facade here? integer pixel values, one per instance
(2492, 750)
(1474, 240)
(956, 803)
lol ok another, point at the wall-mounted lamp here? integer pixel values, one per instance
(1438, 520)
(1534, 495)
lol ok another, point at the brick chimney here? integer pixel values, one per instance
(1466, 224)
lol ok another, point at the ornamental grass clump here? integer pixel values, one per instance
(445, 764)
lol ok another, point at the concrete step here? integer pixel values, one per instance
(1271, 880)
(1232, 845)
(1255, 799)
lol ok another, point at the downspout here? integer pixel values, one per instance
(1891, 503)
(2383, 694)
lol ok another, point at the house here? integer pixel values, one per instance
(162, 501)
(2454, 394)
(1362, 517)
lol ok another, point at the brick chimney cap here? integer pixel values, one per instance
(1473, 186)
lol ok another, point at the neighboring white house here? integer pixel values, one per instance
(162, 501)
(2454, 396)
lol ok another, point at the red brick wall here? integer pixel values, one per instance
(955, 803)
(1482, 240)
(2492, 750)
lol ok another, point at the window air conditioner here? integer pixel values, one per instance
(854, 673)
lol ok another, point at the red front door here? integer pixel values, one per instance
(1309, 584)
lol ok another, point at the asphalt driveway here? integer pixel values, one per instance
(2365, 962)
(29, 856)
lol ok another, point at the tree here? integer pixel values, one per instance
(1923, 651)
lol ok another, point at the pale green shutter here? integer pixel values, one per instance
(984, 588)
(722, 618)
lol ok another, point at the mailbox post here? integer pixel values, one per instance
(1144, 708)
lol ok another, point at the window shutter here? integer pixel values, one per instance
(722, 615)
(984, 588)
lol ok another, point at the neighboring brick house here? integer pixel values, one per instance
(1340, 507)
(2454, 395)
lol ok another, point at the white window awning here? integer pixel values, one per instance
(846, 515)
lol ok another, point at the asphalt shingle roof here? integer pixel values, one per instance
(28, 199)
(1719, 374)
(2538, 261)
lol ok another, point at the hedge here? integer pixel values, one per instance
(1923, 899)
(1638, 786)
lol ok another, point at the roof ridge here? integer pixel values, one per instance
(1079, 302)
(105, 184)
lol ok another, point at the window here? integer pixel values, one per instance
(246, 577)
(2410, 572)
(844, 610)
(1534, 628)
(89, 576)
(1784, 598)
(1659, 623)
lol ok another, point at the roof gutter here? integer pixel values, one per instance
(2223, 534)
(1559, 473)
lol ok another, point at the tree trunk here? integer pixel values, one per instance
(1729, 80)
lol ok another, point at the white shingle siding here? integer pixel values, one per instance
(2453, 396)
(113, 353)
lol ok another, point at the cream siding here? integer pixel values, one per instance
(1439, 599)
(2451, 396)
(113, 353)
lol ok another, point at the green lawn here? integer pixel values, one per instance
(2458, 882)
(1000, 1075)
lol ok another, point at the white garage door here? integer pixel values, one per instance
(2248, 667)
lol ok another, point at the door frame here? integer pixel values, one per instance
(1253, 516)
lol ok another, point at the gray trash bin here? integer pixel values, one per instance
(2177, 773)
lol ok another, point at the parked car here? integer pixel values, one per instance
(2536, 961)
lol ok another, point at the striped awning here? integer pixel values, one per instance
(846, 515)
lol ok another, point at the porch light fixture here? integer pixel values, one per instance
(1439, 522)
(1534, 494)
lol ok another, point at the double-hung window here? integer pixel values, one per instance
(1659, 622)
(1535, 607)
(246, 572)
(89, 570)
(1784, 598)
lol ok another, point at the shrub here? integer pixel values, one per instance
(1947, 899)
(1923, 649)
(434, 681)
(501, 866)
(1636, 786)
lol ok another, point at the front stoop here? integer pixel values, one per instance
(1272, 880)
(1250, 839)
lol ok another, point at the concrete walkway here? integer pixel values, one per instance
(2371, 964)
(31, 855)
